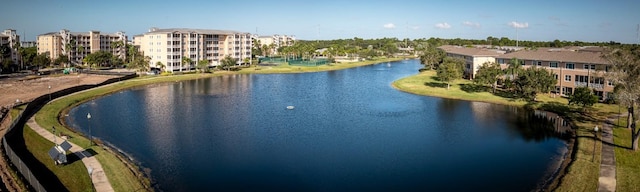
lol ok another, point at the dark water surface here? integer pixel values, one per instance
(349, 131)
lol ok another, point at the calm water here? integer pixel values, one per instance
(349, 131)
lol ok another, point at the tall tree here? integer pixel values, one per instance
(489, 73)
(431, 57)
(449, 71)
(625, 73)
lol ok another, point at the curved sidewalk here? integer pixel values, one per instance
(607, 179)
(98, 177)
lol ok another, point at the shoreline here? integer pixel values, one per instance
(143, 173)
(556, 177)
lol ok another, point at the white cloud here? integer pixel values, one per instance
(389, 26)
(519, 25)
(471, 24)
(443, 25)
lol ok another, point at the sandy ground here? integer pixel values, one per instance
(28, 88)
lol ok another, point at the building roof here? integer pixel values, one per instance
(78, 33)
(187, 30)
(470, 51)
(557, 54)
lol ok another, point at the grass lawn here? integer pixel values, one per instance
(627, 161)
(73, 176)
(583, 172)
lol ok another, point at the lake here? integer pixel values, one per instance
(348, 130)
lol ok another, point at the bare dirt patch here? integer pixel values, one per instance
(26, 89)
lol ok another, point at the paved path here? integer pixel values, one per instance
(607, 180)
(98, 177)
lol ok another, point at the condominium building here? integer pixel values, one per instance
(473, 57)
(170, 46)
(276, 41)
(10, 38)
(572, 68)
(78, 45)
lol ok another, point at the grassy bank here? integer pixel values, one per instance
(73, 175)
(584, 169)
(285, 68)
(627, 161)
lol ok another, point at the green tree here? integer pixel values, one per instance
(62, 59)
(203, 65)
(42, 60)
(583, 96)
(160, 66)
(534, 80)
(227, 62)
(431, 57)
(625, 73)
(488, 73)
(186, 61)
(100, 58)
(514, 68)
(448, 72)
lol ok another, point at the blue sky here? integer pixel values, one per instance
(541, 20)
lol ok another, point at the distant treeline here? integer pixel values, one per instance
(418, 43)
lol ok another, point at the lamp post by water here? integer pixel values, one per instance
(595, 138)
(89, 123)
(49, 92)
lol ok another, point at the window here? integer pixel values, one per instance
(555, 76)
(593, 66)
(610, 83)
(159, 43)
(553, 64)
(539, 63)
(567, 78)
(582, 78)
(586, 66)
(569, 66)
(521, 62)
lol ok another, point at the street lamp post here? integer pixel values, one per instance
(595, 137)
(49, 92)
(89, 122)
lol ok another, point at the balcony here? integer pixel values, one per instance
(592, 85)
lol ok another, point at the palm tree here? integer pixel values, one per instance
(67, 48)
(514, 67)
(186, 61)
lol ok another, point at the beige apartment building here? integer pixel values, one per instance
(169, 46)
(10, 38)
(80, 44)
(473, 57)
(276, 41)
(573, 67)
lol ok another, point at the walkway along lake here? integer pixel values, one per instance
(349, 130)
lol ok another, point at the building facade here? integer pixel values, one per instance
(11, 39)
(473, 57)
(77, 45)
(572, 68)
(276, 41)
(170, 46)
